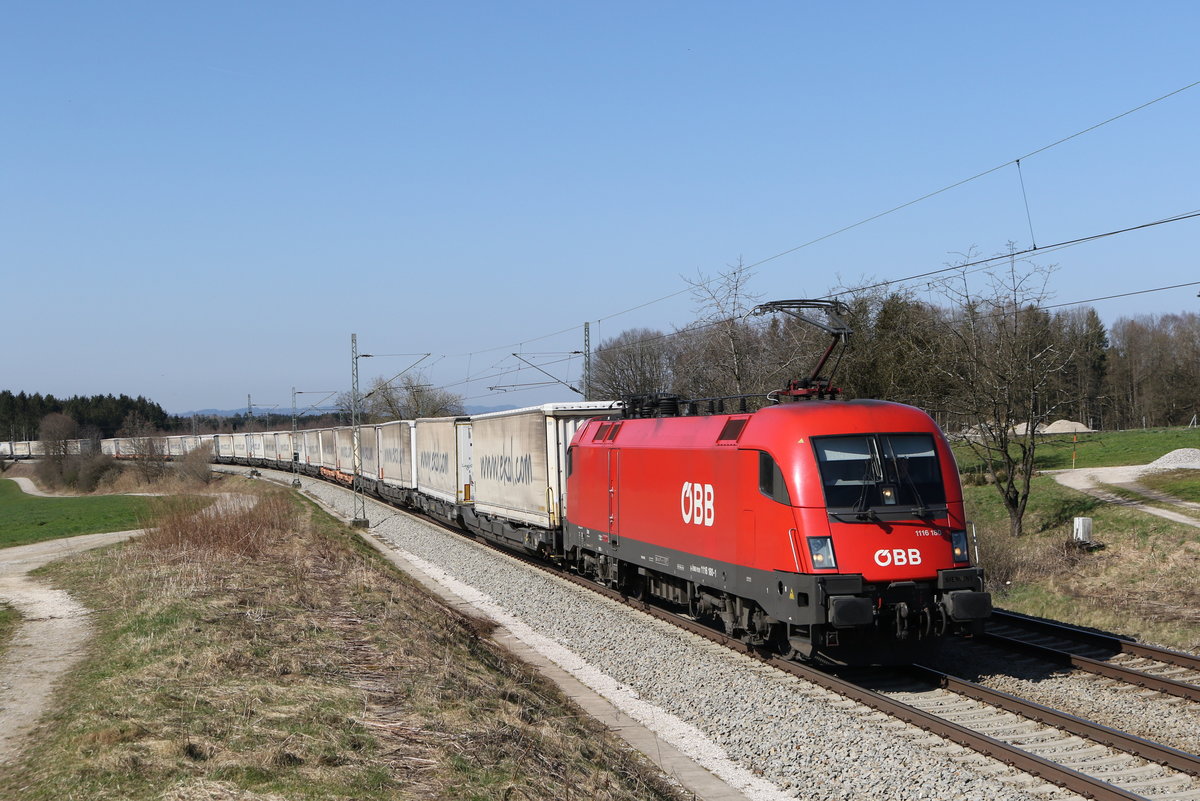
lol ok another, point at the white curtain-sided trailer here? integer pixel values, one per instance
(345, 449)
(443, 460)
(368, 451)
(396, 453)
(312, 448)
(329, 448)
(520, 459)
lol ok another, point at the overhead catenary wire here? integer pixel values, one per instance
(974, 265)
(1017, 253)
(1025, 197)
(981, 263)
(871, 218)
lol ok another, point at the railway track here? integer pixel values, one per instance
(1171, 672)
(1083, 757)
(1078, 755)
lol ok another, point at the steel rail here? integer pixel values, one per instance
(1073, 780)
(1135, 746)
(1139, 678)
(1109, 641)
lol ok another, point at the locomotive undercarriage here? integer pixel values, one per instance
(736, 616)
(866, 624)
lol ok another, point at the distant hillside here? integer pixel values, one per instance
(242, 412)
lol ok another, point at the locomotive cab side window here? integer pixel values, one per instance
(885, 471)
(770, 479)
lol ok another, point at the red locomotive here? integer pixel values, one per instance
(831, 529)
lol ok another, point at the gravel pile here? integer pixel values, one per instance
(768, 734)
(1181, 458)
(1065, 427)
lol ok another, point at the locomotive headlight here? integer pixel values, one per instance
(821, 550)
(888, 493)
(958, 546)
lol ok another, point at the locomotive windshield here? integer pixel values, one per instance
(879, 472)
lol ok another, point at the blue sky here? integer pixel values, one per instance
(204, 200)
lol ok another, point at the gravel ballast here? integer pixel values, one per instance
(1165, 719)
(766, 733)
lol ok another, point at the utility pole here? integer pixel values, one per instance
(587, 361)
(295, 449)
(360, 502)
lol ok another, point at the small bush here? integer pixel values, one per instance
(1008, 561)
(49, 473)
(92, 469)
(194, 467)
(219, 530)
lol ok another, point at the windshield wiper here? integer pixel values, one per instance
(890, 514)
(901, 466)
(856, 516)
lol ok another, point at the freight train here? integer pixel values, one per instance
(829, 530)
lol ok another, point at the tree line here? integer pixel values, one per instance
(1144, 371)
(96, 416)
(980, 353)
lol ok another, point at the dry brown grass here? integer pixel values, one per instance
(262, 651)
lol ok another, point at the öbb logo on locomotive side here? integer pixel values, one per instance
(897, 556)
(696, 504)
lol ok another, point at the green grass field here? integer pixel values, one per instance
(1141, 583)
(1183, 484)
(27, 518)
(1102, 449)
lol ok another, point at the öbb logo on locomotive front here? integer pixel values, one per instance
(897, 556)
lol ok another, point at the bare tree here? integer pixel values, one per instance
(638, 361)
(997, 365)
(149, 458)
(1083, 335)
(1154, 370)
(721, 354)
(408, 398)
(56, 432)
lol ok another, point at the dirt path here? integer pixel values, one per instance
(29, 488)
(54, 627)
(1089, 480)
(51, 638)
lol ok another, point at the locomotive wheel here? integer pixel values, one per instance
(633, 584)
(785, 649)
